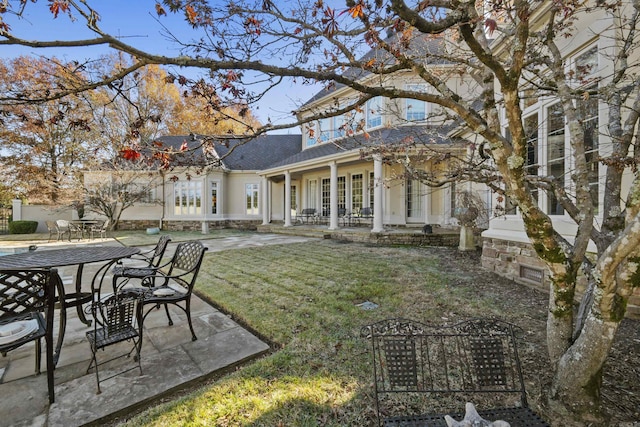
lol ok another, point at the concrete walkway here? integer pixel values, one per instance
(170, 360)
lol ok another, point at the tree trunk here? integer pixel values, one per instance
(575, 391)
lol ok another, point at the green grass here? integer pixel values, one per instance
(302, 297)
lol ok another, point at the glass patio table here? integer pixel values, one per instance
(70, 256)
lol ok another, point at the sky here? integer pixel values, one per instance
(136, 22)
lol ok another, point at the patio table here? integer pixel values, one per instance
(70, 256)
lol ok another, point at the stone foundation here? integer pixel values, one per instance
(173, 225)
(520, 263)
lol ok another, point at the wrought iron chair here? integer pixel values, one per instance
(177, 283)
(116, 319)
(52, 228)
(66, 227)
(100, 229)
(424, 372)
(27, 301)
(152, 259)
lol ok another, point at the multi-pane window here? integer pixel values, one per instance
(312, 194)
(586, 65)
(415, 110)
(374, 112)
(531, 134)
(214, 198)
(356, 192)
(311, 134)
(251, 193)
(338, 127)
(555, 154)
(294, 197)
(414, 199)
(187, 198)
(325, 129)
(589, 111)
(326, 194)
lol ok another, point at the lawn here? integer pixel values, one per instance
(303, 299)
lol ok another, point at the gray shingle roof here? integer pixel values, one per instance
(403, 135)
(238, 154)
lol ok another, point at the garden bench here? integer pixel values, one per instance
(423, 372)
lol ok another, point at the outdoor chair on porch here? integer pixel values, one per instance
(151, 260)
(116, 320)
(306, 215)
(423, 372)
(176, 284)
(27, 301)
(365, 215)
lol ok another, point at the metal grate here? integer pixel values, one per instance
(533, 274)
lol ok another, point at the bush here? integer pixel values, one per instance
(23, 227)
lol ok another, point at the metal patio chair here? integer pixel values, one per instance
(116, 320)
(27, 301)
(151, 259)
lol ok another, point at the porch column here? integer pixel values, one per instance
(333, 205)
(265, 200)
(377, 195)
(287, 199)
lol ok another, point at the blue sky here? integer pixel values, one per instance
(135, 21)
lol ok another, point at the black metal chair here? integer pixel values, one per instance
(27, 301)
(176, 284)
(424, 372)
(152, 259)
(116, 319)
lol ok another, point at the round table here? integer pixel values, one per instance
(70, 256)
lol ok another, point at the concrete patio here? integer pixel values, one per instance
(170, 360)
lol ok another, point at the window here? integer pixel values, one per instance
(312, 197)
(555, 154)
(326, 194)
(325, 129)
(251, 191)
(415, 110)
(356, 192)
(532, 161)
(214, 198)
(374, 112)
(311, 134)
(586, 65)
(294, 197)
(338, 127)
(414, 199)
(509, 205)
(589, 111)
(187, 198)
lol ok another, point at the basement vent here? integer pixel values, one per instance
(531, 274)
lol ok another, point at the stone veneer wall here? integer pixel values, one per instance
(169, 225)
(512, 259)
(412, 239)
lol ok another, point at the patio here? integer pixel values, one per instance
(170, 360)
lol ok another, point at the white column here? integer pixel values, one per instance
(265, 200)
(377, 195)
(333, 206)
(16, 206)
(287, 199)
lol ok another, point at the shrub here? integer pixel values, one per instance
(23, 227)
